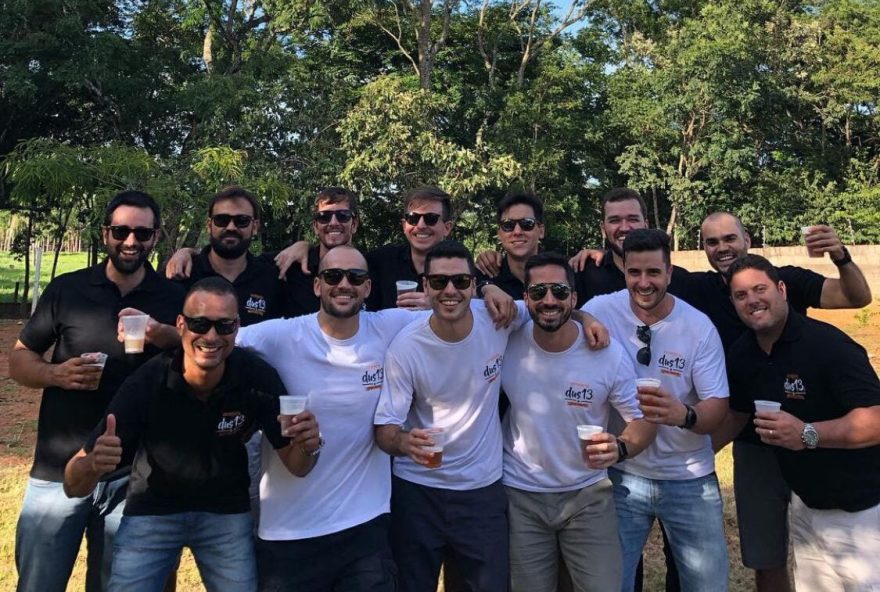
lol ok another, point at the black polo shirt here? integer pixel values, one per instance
(606, 278)
(818, 373)
(299, 288)
(505, 280)
(387, 265)
(258, 287)
(708, 292)
(78, 314)
(189, 455)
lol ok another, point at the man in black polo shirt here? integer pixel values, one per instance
(78, 314)
(184, 418)
(827, 435)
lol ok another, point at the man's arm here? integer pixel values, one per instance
(84, 470)
(179, 267)
(729, 428)
(298, 252)
(28, 368)
(301, 455)
(660, 407)
(397, 442)
(603, 450)
(159, 334)
(595, 332)
(851, 290)
(860, 428)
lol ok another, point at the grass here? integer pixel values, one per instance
(12, 270)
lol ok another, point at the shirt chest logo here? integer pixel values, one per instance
(373, 377)
(672, 363)
(578, 395)
(231, 423)
(492, 368)
(256, 305)
(794, 387)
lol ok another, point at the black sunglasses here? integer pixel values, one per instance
(439, 281)
(413, 218)
(223, 220)
(355, 277)
(325, 217)
(643, 356)
(202, 325)
(142, 234)
(526, 224)
(538, 291)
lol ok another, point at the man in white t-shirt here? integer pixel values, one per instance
(674, 478)
(559, 495)
(330, 529)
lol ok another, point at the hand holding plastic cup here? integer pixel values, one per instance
(806, 231)
(135, 328)
(767, 406)
(652, 383)
(96, 359)
(585, 435)
(406, 286)
(438, 435)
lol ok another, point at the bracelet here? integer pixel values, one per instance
(317, 450)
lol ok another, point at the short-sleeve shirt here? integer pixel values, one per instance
(77, 313)
(388, 264)
(257, 287)
(551, 393)
(430, 382)
(189, 454)
(818, 373)
(298, 292)
(687, 358)
(505, 280)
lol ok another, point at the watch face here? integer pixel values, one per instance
(810, 437)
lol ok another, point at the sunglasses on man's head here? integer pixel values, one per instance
(559, 291)
(223, 220)
(142, 234)
(333, 276)
(526, 224)
(326, 216)
(643, 356)
(202, 325)
(439, 281)
(412, 218)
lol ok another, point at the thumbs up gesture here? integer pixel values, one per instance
(107, 452)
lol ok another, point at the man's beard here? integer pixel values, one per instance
(225, 251)
(128, 266)
(553, 326)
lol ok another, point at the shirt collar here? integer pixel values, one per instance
(151, 282)
(230, 380)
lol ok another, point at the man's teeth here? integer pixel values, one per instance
(208, 348)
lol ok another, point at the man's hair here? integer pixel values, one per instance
(235, 192)
(213, 285)
(619, 194)
(525, 199)
(137, 199)
(715, 215)
(755, 262)
(430, 193)
(549, 258)
(341, 249)
(647, 239)
(449, 249)
(334, 195)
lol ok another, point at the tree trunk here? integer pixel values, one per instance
(27, 256)
(426, 57)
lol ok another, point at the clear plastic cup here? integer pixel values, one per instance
(768, 406)
(406, 286)
(135, 329)
(585, 435)
(97, 359)
(647, 383)
(438, 435)
(806, 230)
(292, 404)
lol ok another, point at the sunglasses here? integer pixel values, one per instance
(223, 220)
(325, 217)
(643, 356)
(355, 277)
(142, 234)
(538, 291)
(439, 281)
(202, 325)
(413, 218)
(525, 224)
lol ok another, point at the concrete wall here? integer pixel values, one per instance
(867, 257)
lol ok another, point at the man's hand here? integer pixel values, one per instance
(298, 252)
(414, 301)
(179, 267)
(489, 262)
(502, 308)
(579, 261)
(602, 451)
(107, 452)
(415, 445)
(302, 429)
(823, 239)
(160, 335)
(779, 428)
(76, 374)
(595, 333)
(660, 407)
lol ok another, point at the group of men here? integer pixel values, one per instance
(515, 502)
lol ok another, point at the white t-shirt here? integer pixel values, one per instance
(550, 394)
(351, 482)
(434, 383)
(687, 357)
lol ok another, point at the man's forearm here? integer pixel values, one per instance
(297, 460)
(860, 428)
(729, 429)
(638, 435)
(710, 413)
(28, 368)
(390, 439)
(854, 286)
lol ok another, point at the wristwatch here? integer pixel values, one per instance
(810, 437)
(690, 419)
(317, 450)
(847, 258)
(622, 452)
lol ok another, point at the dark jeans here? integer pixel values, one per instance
(356, 559)
(472, 525)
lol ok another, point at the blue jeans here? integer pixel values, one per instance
(692, 515)
(50, 530)
(147, 548)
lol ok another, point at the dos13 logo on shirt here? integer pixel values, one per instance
(579, 395)
(256, 304)
(672, 363)
(492, 368)
(230, 423)
(794, 387)
(373, 377)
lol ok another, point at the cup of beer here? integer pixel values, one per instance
(585, 435)
(135, 329)
(292, 404)
(438, 435)
(95, 360)
(406, 286)
(806, 231)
